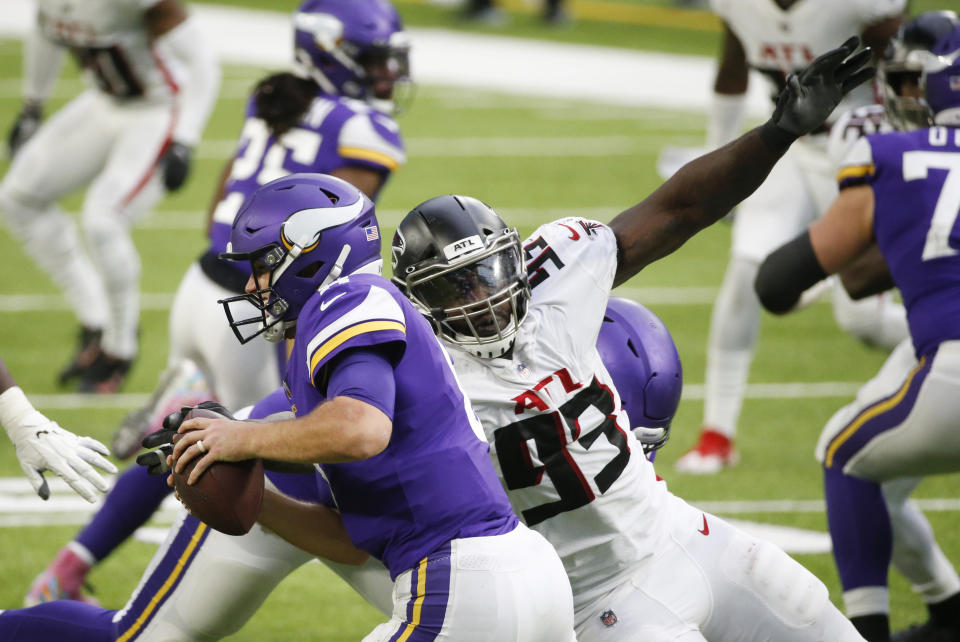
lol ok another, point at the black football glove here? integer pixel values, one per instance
(175, 165)
(810, 97)
(27, 122)
(162, 440)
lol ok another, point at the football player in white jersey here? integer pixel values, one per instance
(332, 115)
(127, 139)
(777, 37)
(521, 320)
(42, 445)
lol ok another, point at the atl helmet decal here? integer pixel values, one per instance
(463, 246)
(398, 248)
(302, 228)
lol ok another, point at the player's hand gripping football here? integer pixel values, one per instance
(43, 445)
(811, 95)
(27, 122)
(161, 442)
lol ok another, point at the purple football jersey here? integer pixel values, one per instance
(915, 178)
(434, 482)
(334, 132)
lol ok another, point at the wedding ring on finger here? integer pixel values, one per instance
(200, 446)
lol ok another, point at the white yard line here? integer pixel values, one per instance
(691, 392)
(20, 508)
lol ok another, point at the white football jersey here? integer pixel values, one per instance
(109, 40)
(778, 41)
(559, 439)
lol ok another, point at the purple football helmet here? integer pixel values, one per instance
(306, 230)
(353, 48)
(941, 73)
(640, 355)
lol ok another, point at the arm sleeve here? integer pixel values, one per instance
(198, 96)
(786, 273)
(725, 120)
(365, 374)
(41, 65)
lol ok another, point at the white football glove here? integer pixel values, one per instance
(43, 445)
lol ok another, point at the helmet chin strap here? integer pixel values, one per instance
(337, 268)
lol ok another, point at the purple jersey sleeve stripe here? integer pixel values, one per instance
(326, 348)
(853, 175)
(377, 158)
(883, 415)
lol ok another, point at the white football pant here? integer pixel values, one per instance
(112, 147)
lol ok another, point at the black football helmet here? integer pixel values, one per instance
(462, 268)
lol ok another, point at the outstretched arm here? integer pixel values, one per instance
(704, 190)
(42, 445)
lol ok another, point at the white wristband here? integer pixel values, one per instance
(14, 409)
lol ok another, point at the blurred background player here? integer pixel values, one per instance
(42, 445)
(128, 139)
(777, 37)
(333, 115)
(895, 192)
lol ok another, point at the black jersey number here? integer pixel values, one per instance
(549, 432)
(110, 69)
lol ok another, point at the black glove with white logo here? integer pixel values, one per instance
(27, 122)
(175, 165)
(162, 440)
(810, 96)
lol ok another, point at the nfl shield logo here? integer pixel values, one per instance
(609, 618)
(372, 232)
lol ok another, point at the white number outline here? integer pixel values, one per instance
(303, 145)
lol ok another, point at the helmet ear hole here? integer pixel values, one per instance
(334, 198)
(308, 271)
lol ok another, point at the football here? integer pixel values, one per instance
(228, 495)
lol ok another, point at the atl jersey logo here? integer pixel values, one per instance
(785, 55)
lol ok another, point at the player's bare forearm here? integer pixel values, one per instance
(867, 275)
(702, 192)
(312, 527)
(340, 430)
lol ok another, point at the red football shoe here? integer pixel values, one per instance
(712, 453)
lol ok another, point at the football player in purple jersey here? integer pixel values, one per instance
(898, 190)
(332, 114)
(379, 410)
(127, 139)
(42, 445)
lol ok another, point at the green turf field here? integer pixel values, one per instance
(534, 160)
